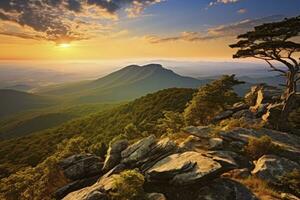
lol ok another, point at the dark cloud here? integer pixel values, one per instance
(55, 19)
(222, 31)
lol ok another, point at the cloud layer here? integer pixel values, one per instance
(63, 20)
(222, 31)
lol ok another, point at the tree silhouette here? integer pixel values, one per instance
(276, 43)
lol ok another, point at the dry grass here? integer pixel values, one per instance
(260, 188)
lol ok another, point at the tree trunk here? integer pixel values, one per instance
(288, 100)
(291, 83)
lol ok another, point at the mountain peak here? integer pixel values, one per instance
(148, 66)
(153, 65)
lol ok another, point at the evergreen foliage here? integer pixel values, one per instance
(210, 100)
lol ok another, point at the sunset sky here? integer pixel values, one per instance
(125, 29)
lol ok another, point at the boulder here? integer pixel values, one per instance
(261, 94)
(215, 143)
(155, 196)
(81, 166)
(113, 157)
(193, 143)
(271, 167)
(243, 113)
(223, 115)
(251, 96)
(138, 150)
(160, 150)
(225, 189)
(216, 189)
(146, 152)
(289, 143)
(199, 131)
(99, 189)
(187, 168)
(76, 185)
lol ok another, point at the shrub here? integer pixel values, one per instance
(210, 100)
(231, 123)
(171, 123)
(259, 147)
(128, 186)
(131, 131)
(40, 182)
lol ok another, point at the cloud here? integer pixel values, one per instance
(230, 30)
(64, 20)
(242, 11)
(213, 3)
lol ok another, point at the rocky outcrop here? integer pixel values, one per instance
(113, 156)
(191, 169)
(262, 93)
(98, 190)
(289, 143)
(187, 168)
(138, 150)
(270, 167)
(76, 185)
(81, 166)
(217, 189)
(146, 152)
(199, 131)
(82, 169)
(225, 189)
(223, 115)
(262, 102)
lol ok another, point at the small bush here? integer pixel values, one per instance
(259, 147)
(128, 186)
(231, 123)
(290, 182)
(171, 123)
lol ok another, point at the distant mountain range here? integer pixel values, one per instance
(22, 113)
(128, 83)
(123, 85)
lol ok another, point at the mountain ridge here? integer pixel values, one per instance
(127, 83)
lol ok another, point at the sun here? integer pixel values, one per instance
(64, 45)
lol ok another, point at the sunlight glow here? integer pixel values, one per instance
(64, 45)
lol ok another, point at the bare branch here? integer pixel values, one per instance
(274, 68)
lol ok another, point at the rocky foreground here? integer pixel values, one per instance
(201, 163)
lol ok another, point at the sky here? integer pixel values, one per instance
(131, 29)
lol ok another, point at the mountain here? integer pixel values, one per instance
(128, 83)
(12, 101)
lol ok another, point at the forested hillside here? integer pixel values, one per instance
(143, 113)
(12, 101)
